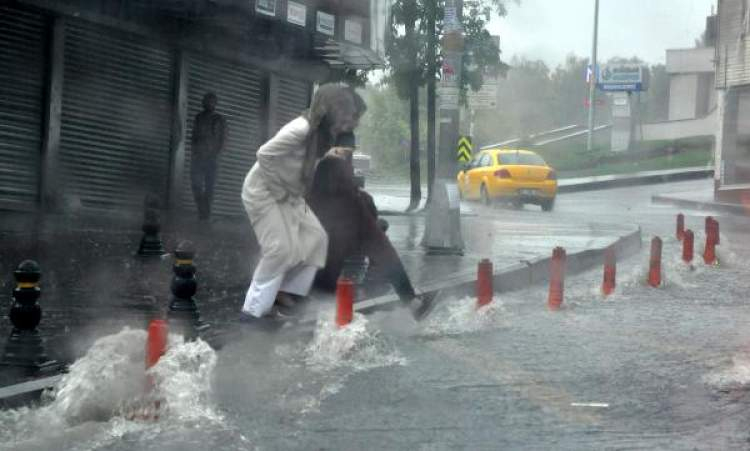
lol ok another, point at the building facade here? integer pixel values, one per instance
(99, 96)
(732, 178)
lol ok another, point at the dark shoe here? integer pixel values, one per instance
(423, 304)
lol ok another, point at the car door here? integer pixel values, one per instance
(469, 176)
(479, 173)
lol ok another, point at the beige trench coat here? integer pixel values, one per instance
(287, 230)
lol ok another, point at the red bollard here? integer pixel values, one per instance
(484, 283)
(687, 246)
(709, 252)
(654, 270)
(680, 226)
(156, 343)
(556, 279)
(344, 301)
(610, 271)
(715, 231)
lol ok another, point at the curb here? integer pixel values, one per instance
(515, 276)
(614, 181)
(698, 205)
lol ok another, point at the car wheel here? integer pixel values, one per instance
(548, 205)
(485, 196)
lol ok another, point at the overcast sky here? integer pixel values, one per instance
(551, 29)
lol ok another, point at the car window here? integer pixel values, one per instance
(508, 158)
(530, 159)
(485, 161)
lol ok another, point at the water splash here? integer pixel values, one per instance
(96, 394)
(737, 376)
(461, 316)
(355, 346)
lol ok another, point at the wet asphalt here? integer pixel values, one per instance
(665, 368)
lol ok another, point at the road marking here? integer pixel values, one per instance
(524, 383)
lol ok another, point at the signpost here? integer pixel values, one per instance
(486, 97)
(443, 227)
(622, 77)
(463, 154)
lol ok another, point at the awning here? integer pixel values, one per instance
(340, 55)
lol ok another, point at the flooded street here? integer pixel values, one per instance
(664, 368)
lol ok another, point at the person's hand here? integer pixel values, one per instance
(340, 152)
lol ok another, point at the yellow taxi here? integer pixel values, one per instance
(517, 176)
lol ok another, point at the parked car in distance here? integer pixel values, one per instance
(516, 176)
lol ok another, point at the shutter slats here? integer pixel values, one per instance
(22, 57)
(116, 116)
(293, 97)
(238, 88)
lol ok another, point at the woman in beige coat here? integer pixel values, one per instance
(293, 243)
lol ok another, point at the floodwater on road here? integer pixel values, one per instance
(645, 368)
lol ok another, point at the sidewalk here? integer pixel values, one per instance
(93, 284)
(569, 185)
(701, 200)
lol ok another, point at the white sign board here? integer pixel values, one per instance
(353, 31)
(326, 23)
(486, 97)
(296, 13)
(267, 7)
(448, 97)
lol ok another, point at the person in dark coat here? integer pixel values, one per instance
(350, 218)
(208, 140)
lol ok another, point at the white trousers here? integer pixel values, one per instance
(262, 294)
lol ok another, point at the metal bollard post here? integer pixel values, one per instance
(654, 271)
(183, 310)
(151, 244)
(687, 246)
(25, 347)
(556, 279)
(344, 301)
(610, 271)
(484, 283)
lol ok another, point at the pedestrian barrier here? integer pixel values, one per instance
(183, 311)
(654, 270)
(680, 226)
(556, 279)
(25, 347)
(687, 246)
(484, 283)
(344, 301)
(148, 408)
(151, 244)
(712, 228)
(156, 342)
(610, 271)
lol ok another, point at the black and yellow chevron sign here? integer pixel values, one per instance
(464, 149)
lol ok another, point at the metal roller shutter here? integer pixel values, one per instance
(293, 97)
(239, 89)
(22, 76)
(116, 116)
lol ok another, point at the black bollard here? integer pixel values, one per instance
(183, 314)
(25, 347)
(151, 244)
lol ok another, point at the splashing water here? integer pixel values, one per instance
(353, 346)
(462, 316)
(737, 376)
(94, 396)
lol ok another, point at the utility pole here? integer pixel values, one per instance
(443, 228)
(592, 80)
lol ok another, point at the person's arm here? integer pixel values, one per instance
(194, 134)
(280, 178)
(221, 130)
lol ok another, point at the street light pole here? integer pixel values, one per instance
(443, 227)
(592, 80)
